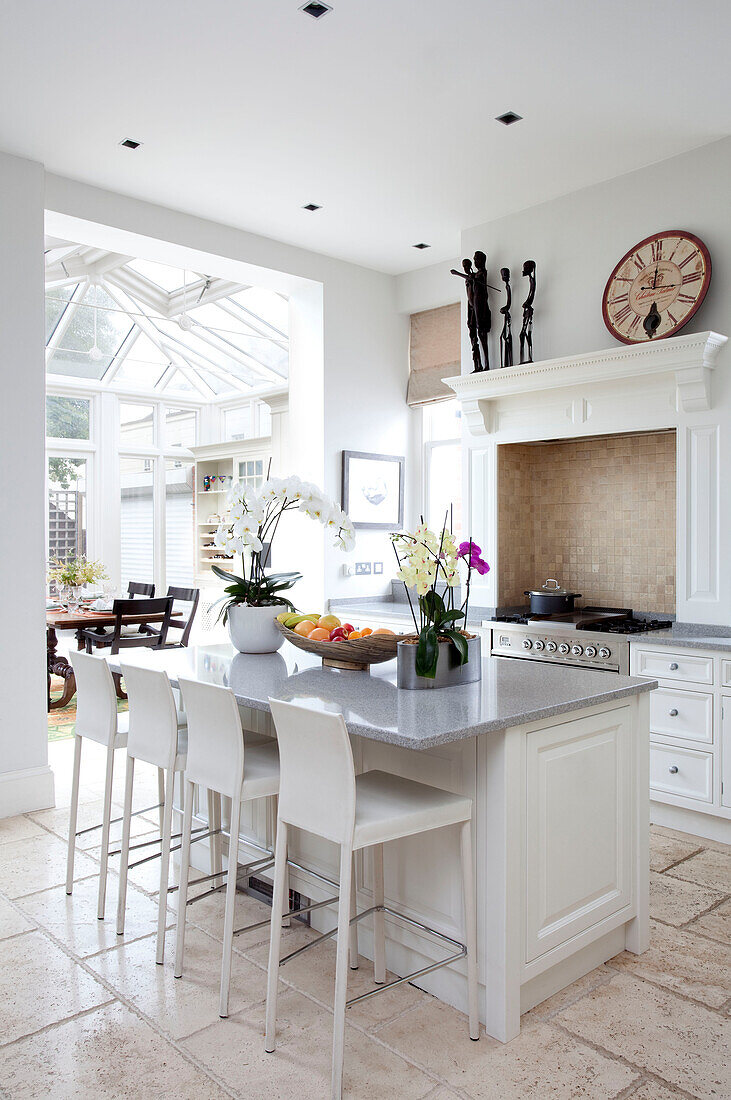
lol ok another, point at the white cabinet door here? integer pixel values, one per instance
(579, 808)
(726, 750)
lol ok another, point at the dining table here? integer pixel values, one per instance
(78, 621)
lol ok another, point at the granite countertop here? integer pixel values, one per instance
(510, 692)
(682, 637)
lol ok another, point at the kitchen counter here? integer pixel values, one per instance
(510, 693)
(683, 637)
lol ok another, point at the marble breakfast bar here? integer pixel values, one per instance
(556, 762)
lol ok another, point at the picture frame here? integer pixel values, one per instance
(373, 490)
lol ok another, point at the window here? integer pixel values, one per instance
(67, 507)
(136, 425)
(443, 464)
(179, 531)
(251, 472)
(67, 417)
(237, 423)
(180, 427)
(137, 481)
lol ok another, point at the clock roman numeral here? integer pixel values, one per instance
(635, 322)
(688, 258)
(622, 315)
(656, 251)
(692, 277)
(620, 298)
(639, 262)
(686, 298)
(673, 320)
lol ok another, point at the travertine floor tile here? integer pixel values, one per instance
(18, 828)
(90, 814)
(301, 1064)
(72, 918)
(689, 838)
(675, 901)
(708, 868)
(567, 996)
(683, 1043)
(314, 973)
(685, 963)
(12, 923)
(38, 863)
(39, 985)
(540, 1061)
(208, 915)
(179, 1006)
(667, 850)
(107, 1054)
(652, 1090)
(716, 924)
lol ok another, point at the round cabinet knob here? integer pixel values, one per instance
(590, 651)
(604, 653)
(673, 769)
(527, 643)
(538, 644)
(551, 647)
(576, 650)
(563, 648)
(674, 713)
(673, 666)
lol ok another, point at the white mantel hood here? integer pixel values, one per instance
(679, 369)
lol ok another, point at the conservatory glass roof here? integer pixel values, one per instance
(134, 324)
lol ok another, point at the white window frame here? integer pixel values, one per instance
(429, 446)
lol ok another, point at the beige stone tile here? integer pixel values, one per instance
(179, 1006)
(675, 901)
(567, 996)
(313, 973)
(683, 1043)
(38, 863)
(91, 814)
(716, 924)
(208, 915)
(708, 868)
(540, 1060)
(301, 1063)
(667, 850)
(653, 1090)
(690, 838)
(18, 828)
(39, 985)
(72, 918)
(106, 1054)
(683, 962)
(12, 923)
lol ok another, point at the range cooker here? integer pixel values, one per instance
(589, 637)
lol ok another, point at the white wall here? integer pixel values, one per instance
(26, 781)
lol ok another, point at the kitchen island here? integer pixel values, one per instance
(556, 762)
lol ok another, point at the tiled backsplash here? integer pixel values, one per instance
(597, 514)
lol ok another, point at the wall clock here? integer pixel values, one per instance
(656, 287)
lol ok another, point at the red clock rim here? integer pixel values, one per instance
(640, 244)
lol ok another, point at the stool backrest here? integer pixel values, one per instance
(215, 737)
(317, 774)
(96, 699)
(153, 716)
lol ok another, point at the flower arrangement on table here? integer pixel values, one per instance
(251, 526)
(75, 572)
(427, 559)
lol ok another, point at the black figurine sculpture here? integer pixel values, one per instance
(526, 332)
(506, 336)
(469, 277)
(482, 306)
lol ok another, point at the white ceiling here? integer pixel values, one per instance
(382, 111)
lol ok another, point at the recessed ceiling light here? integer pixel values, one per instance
(312, 206)
(130, 143)
(421, 245)
(508, 118)
(316, 9)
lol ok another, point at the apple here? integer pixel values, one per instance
(338, 634)
(348, 628)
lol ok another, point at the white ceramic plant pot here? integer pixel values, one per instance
(253, 629)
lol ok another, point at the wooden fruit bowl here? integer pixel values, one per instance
(357, 655)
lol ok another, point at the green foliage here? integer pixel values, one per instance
(262, 590)
(76, 572)
(440, 622)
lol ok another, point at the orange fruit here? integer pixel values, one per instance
(319, 634)
(354, 635)
(365, 632)
(304, 628)
(383, 630)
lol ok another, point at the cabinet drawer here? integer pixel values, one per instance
(693, 777)
(666, 665)
(726, 673)
(678, 713)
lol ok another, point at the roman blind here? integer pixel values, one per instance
(434, 354)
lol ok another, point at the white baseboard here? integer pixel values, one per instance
(687, 821)
(29, 789)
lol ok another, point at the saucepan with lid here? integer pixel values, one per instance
(551, 599)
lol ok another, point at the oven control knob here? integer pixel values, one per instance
(563, 648)
(527, 643)
(538, 644)
(576, 650)
(604, 653)
(590, 651)
(551, 647)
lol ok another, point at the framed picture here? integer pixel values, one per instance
(373, 489)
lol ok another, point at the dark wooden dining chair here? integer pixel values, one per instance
(117, 638)
(179, 595)
(139, 588)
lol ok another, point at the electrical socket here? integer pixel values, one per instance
(377, 567)
(348, 569)
(362, 569)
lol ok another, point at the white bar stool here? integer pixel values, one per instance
(320, 793)
(157, 735)
(98, 720)
(219, 761)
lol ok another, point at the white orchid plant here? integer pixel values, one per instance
(250, 528)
